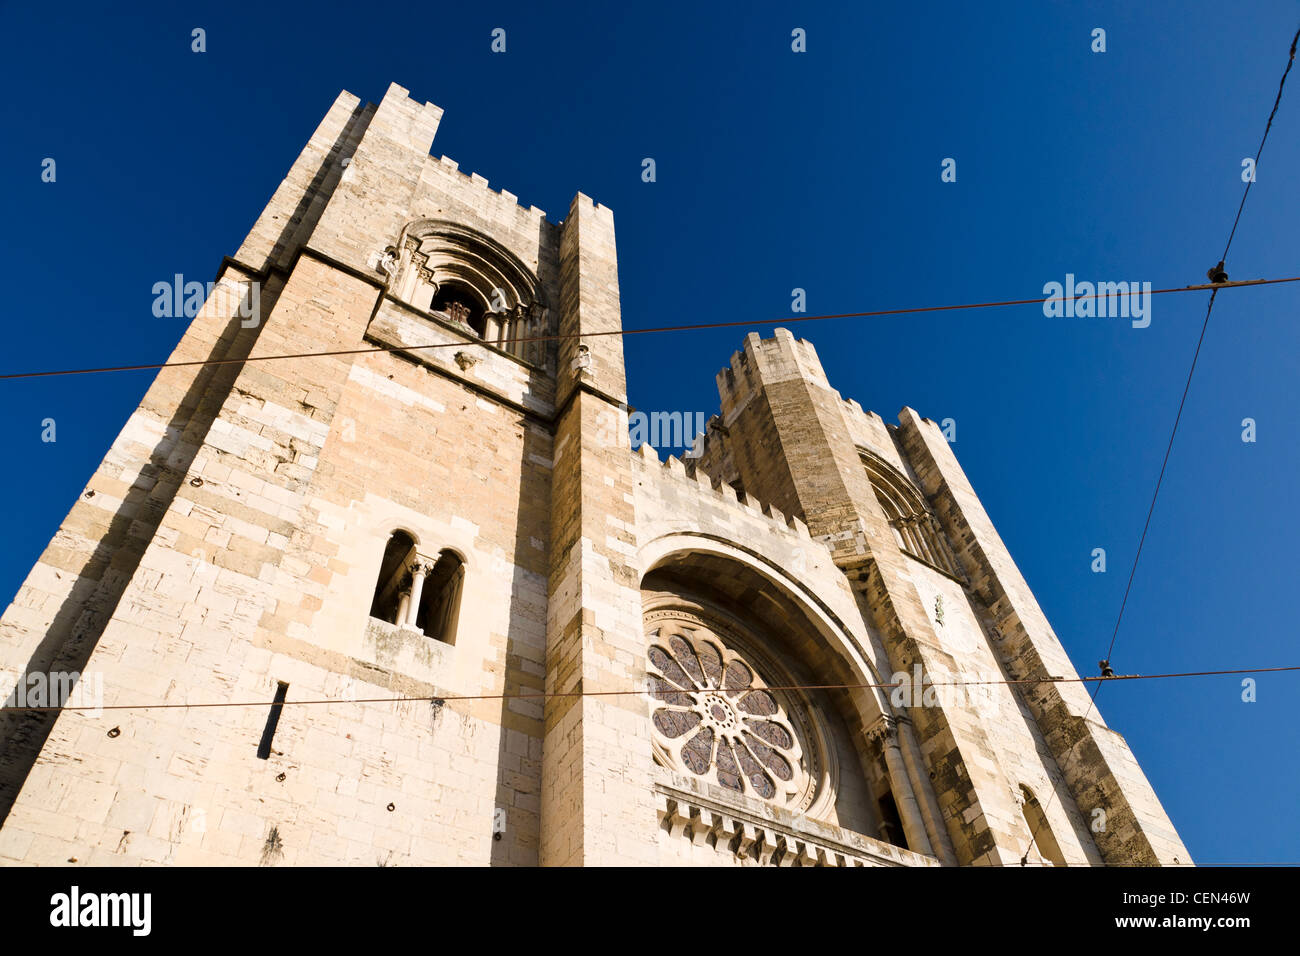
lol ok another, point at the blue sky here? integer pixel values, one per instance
(778, 170)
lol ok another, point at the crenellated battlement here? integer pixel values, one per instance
(719, 492)
(502, 202)
(388, 179)
(765, 362)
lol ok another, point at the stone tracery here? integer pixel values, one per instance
(915, 528)
(716, 718)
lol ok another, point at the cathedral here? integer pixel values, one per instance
(373, 576)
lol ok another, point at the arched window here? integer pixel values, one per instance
(418, 592)
(440, 598)
(394, 574)
(715, 718)
(735, 664)
(1044, 841)
(466, 278)
(915, 529)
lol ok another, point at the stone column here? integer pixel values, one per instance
(420, 568)
(403, 604)
(940, 539)
(885, 732)
(924, 540)
(930, 811)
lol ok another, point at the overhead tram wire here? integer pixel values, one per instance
(1164, 464)
(1195, 355)
(1214, 288)
(879, 313)
(638, 691)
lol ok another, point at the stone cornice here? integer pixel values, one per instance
(761, 835)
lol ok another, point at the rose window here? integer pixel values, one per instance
(716, 719)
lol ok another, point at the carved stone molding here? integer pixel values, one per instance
(438, 255)
(884, 732)
(759, 839)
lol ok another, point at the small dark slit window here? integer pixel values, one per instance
(273, 718)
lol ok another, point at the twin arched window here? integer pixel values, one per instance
(418, 591)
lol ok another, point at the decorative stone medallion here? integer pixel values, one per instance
(715, 718)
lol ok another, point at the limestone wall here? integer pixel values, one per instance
(231, 542)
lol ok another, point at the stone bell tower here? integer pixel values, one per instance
(404, 509)
(932, 578)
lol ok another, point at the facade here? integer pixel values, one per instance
(604, 658)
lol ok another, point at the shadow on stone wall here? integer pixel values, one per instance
(77, 626)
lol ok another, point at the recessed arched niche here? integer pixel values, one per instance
(474, 284)
(737, 701)
(915, 529)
